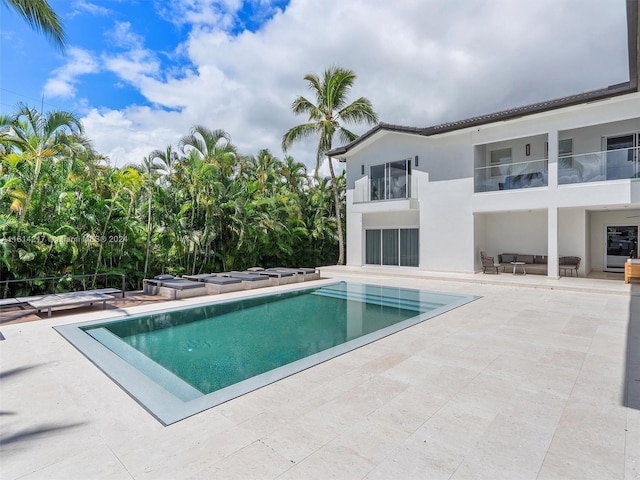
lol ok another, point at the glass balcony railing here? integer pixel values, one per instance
(511, 176)
(373, 190)
(599, 166)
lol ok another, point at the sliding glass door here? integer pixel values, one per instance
(390, 180)
(622, 156)
(622, 243)
(392, 246)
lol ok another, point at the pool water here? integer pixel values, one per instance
(220, 350)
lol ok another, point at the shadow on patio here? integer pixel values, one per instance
(631, 397)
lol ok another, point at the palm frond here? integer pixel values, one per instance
(41, 17)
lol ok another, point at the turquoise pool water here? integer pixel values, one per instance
(211, 353)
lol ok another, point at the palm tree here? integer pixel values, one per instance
(326, 118)
(42, 138)
(149, 168)
(294, 173)
(41, 17)
(212, 146)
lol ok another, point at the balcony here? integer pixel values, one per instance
(512, 176)
(379, 190)
(377, 196)
(617, 164)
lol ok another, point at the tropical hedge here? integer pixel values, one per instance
(199, 206)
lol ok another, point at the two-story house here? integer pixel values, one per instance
(555, 178)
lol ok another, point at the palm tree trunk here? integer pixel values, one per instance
(336, 200)
(146, 257)
(32, 188)
(104, 233)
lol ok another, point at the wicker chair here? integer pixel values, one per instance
(569, 263)
(489, 263)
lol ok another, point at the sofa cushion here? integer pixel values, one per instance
(540, 259)
(525, 258)
(508, 257)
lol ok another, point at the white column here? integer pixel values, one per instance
(354, 234)
(552, 210)
(552, 242)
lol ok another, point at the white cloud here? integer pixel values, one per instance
(213, 13)
(419, 62)
(82, 6)
(62, 83)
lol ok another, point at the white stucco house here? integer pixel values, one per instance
(553, 179)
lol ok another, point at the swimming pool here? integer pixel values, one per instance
(179, 362)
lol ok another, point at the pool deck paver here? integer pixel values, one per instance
(537, 379)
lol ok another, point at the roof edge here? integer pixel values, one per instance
(500, 116)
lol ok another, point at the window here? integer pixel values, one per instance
(498, 158)
(392, 246)
(565, 154)
(391, 180)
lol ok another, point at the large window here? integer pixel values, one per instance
(391, 180)
(392, 246)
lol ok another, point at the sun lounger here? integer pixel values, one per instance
(303, 274)
(199, 277)
(278, 278)
(20, 302)
(217, 284)
(68, 299)
(151, 285)
(178, 289)
(249, 280)
(173, 288)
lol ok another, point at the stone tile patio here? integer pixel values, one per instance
(537, 379)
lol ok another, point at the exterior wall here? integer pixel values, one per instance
(388, 148)
(456, 223)
(515, 232)
(537, 144)
(589, 139)
(446, 226)
(572, 235)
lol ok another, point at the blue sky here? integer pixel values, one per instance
(141, 73)
(106, 28)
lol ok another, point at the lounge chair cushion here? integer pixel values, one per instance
(221, 280)
(164, 276)
(182, 284)
(248, 277)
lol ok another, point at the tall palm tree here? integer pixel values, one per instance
(149, 168)
(41, 17)
(326, 119)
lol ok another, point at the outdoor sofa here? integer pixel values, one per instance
(536, 264)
